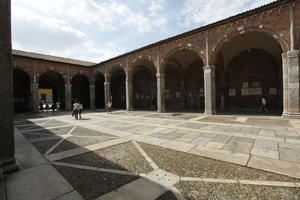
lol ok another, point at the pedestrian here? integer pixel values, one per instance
(75, 109)
(109, 104)
(57, 107)
(263, 105)
(80, 107)
(53, 107)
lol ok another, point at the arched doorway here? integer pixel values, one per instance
(81, 90)
(248, 67)
(144, 87)
(22, 94)
(184, 81)
(99, 91)
(52, 88)
(118, 90)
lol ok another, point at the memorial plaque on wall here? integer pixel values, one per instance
(245, 85)
(190, 94)
(137, 96)
(231, 92)
(245, 91)
(272, 91)
(177, 94)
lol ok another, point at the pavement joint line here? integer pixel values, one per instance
(113, 171)
(60, 141)
(144, 154)
(45, 128)
(41, 134)
(241, 181)
(85, 149)
(197, 118)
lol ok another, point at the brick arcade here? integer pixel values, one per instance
(225, 66)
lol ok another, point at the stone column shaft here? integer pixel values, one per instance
(7, 144)
(161, 107)
(92, 96)
(35, 96)
(129, 94)
(107, 92)
(68, 96)
(210, 90)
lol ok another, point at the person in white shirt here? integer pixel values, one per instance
(263, 105)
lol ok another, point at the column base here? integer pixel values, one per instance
(291, 115)
(9, 165)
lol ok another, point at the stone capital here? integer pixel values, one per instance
(158, 75)
(107, 83)
(209, 67)
(92, 85)
(293, 53)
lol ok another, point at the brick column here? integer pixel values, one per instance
(68, 96)
(92, 96)
(7, 145)
(35, 96)
(129, 94)
(210, 90)
(291, 83)
(161, 107)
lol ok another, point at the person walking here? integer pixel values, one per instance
(75, 109)
(263, 105)
(80, 107)
(109, 104)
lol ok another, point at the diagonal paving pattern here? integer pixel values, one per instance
(268, 148)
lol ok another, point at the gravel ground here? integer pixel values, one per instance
(184, 164)
(42, 147)
(56, 131)
(123, 157)
(88, 132)
(54, 122)
(217, 191)
(167, 196)
(92, 184)
(76, 142)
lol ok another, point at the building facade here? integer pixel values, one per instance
(224, 66)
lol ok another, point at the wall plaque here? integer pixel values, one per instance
(245, 85)
(272, 91)
(231, 92)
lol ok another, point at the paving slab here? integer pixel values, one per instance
(177, 145)
(292, 155)
(28, 157)
(266, 145)
(41, 182)
(141, 189)
(238, 147)
(215, 145)
(74, 195)
(237, 158)
(277, 166)
(265, 153)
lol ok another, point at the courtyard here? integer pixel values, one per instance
(149, 155)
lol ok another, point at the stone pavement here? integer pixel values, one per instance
(149, 155)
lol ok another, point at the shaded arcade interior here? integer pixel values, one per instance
(21, 89)
(81, 90)
(118, 89)
(249, 66)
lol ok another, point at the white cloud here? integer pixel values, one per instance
(202, 12)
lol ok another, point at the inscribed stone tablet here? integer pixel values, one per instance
(177, 94)
(245, 85)
(255, 84)
(231, 92)
(245, 91)
(272, 91)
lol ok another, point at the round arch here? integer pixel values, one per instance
(21, 88)
(81, 89)
(52, 87)
(248, 66)
(144, 86)
(118, 90)
(183, 68)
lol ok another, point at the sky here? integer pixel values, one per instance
(96, 30)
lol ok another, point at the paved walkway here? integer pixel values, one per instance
(269, 143)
